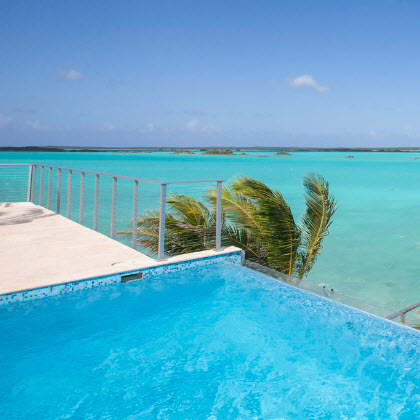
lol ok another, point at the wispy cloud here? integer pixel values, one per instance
(148, 128)
(71, 74)
(194, 126)
(33, 123)
(372, 133)
(308, 81)
(108, 126)
(4, 120)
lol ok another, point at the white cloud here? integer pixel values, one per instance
(108, 126)
(192, 125)
(372, 133)
(4, 120)
(34, 124)
(307, 80)
(71, 74)
(148, 128)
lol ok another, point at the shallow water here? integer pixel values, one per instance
(220, 342)
(373, 250)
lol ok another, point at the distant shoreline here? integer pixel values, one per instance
(72, 149)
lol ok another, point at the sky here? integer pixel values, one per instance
(210, 73)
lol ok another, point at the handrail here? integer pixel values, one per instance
(153, 181)
(403, 312)
(14, 164)
(31, 189)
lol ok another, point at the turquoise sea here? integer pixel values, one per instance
(373, 251)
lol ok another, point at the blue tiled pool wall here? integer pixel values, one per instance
(59, 289)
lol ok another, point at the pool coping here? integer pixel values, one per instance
(182, 262)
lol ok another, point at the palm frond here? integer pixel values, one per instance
(320, 207)
(178, 240)
(237, 208)
(276, 229)
(255, 218)
(189, 227)
(242, 238)
(189, 210)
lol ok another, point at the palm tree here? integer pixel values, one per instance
(256, 219)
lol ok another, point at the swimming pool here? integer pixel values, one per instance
(216, 342)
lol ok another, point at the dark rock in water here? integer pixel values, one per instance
(218, 152)
(414, 159)
(183, 152)
(283, 154)
(262, 156)
(243, 154)
(350, 157)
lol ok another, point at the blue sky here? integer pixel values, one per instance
(210, 73)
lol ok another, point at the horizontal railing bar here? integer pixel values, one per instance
(103, 174)
(130, 177)
(13, 164)
(404, 311)
(191, 182)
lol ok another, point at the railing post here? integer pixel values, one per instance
(41, 186)
(135, 211)
(33, 184)
(82, 196)
(58, 191)
(69, 196)
(95, 205)
(114, 206)
(219, 216)
(49, 188)
(28, 192)
(162, 217)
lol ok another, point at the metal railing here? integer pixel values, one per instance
(403, 313)
(58, 172)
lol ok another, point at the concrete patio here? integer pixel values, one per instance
(41, 248)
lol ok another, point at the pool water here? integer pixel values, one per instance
(219, 342)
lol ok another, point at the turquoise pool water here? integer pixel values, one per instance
(220, 342)
(373, 251)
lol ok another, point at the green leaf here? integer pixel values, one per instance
(315, 223)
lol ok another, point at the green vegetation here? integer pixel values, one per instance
(218, 152)
(183, 152)
(256, 218)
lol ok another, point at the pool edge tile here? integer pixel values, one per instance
(234, 257)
